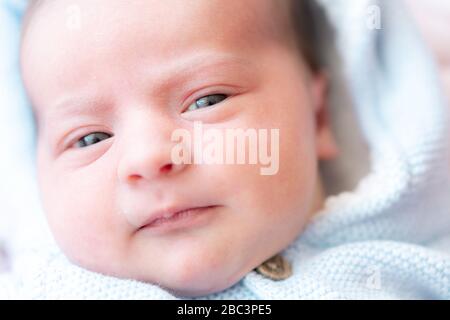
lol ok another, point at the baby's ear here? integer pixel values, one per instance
(325, 142)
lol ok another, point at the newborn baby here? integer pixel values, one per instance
(111, 81)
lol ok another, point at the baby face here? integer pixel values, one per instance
(111, 81)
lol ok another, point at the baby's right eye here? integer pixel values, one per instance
(92, 139)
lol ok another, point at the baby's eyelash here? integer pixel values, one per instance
(91, 139)
(205, 102)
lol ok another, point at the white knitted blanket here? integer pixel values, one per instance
(389, 238)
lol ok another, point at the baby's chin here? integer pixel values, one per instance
(188, 278)
(204, 287)
(198, 283)
(194, 293)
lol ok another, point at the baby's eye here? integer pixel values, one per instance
(91, 139)
(207, 101)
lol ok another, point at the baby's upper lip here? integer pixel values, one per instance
(168, 212)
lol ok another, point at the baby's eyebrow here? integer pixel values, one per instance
(178, 71)
(70, 106)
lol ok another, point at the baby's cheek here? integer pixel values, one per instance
(292, 187)
(81, 215)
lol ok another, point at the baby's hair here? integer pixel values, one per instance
(312, 30)
(309, 22)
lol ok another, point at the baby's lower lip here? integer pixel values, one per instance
(181, 220)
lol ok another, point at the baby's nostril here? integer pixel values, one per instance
(134, 177)
(166, 168)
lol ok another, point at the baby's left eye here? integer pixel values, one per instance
(207, 101)
(92, 139)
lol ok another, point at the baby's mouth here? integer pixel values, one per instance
(177, 218)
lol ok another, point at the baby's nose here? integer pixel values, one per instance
(147, 162)
(147, 156)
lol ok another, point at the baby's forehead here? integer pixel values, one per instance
(96, 22)
(263, 15)
(119, 34)
(117, 39)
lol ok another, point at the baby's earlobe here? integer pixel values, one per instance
(327, 148)
(319, 90)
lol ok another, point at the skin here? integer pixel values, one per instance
(130, 73)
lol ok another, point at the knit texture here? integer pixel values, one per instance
(389, 238)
